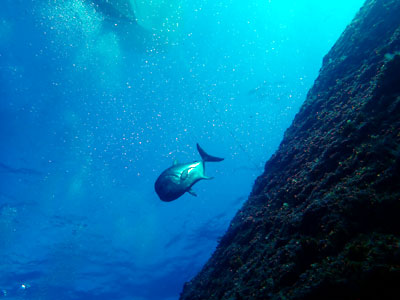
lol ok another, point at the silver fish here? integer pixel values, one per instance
(179, 179)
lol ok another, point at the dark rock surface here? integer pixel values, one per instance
(323, 220)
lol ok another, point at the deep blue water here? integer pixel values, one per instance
(93, 109)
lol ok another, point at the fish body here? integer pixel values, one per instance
(179, 179)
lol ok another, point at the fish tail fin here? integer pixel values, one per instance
(207, 157)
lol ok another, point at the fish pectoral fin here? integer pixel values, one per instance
(191, 192)
(207, 178)
(184, 174)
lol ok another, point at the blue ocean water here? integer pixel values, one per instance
(93, 107)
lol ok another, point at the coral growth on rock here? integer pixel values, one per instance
(323, 220)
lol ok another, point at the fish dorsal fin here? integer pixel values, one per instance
(175, 162)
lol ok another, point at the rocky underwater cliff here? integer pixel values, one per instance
(323, 220)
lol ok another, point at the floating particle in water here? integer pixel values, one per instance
(24, 286)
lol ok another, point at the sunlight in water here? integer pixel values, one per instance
(159, 15)
(162, 17)
(73, 23)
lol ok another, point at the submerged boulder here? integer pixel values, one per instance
(322, 221)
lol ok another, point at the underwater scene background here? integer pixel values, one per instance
(97, 98)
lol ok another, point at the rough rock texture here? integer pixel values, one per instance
(323, 221)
